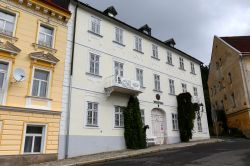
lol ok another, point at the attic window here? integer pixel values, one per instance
(145, 29)
(110, 11)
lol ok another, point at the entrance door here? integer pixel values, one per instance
(158, 125)
(3, 77)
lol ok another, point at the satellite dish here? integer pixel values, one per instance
(19, 75)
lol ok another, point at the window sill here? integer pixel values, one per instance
(12, 38)
(172, 94)
(159, 91)
(193, 73)
(155, 58)
(50, 49)
(182, 69)
(138, 51)
(171, 64)
(118, 43)
(91, 126)
(40, 98)
(96, 34)
(93, 75)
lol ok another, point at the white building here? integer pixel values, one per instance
(111, 61)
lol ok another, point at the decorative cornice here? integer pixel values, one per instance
(44, 57)
(9, 47)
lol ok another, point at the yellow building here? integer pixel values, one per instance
(229, 80)
(33, 36)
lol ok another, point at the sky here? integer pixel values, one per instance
(192, 23)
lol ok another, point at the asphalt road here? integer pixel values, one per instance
(231, 152)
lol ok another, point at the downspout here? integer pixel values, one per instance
(244, 78)
(70, 85)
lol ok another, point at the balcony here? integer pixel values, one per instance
(121, 85)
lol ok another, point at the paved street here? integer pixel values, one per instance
(234, 152)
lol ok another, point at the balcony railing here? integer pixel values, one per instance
(121, 85)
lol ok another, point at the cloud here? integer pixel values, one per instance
(191, 23)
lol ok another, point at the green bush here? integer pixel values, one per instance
(135, 136)
(186, 115)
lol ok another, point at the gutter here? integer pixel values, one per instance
(70, 85)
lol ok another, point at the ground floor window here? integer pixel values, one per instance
(143, 117)
(34, 139)
(199, 124)
(175, 122)
(92, 118)
(119, 118)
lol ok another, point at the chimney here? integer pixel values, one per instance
(145, 29)
(110, 11)
(170, 42)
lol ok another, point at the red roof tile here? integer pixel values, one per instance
(241, 43)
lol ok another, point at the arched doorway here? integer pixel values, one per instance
(158, 125)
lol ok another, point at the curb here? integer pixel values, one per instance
(141, 153)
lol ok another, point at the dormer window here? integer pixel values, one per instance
(145, 29)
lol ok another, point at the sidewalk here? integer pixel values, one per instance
(114, 155)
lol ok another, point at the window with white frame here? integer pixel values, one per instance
(138, 43)
(34, 139)
(95, 25)
(3, 79)
(94, 64)
(118, 71)
(184, 87)
(119, 35)
(155, 51)
(40, 83)
(199, 125)
(192, 68)
(143, 117)
(46, 36)
(169, 58)
(195, 91)
(7, 23)
(119, 118)
(181, 63)
(175, 122)
(139, 76)
(171, 87)
(92, 114)
(157, 82)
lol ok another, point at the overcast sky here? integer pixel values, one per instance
(192, 23)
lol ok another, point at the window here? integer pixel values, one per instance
(46, 36)
(192, 68)
(181, 63)
(138, 44)
(92, 114)
(3, 79)
(157, 82)
(233, 100)
(118, 71)
(139, 76)
(95, 25)
(199, 124)
(40, 83)
(230, 78)
(155, 51)
(169, 57)
(195, 91)
(184, 87)
(143, 117)
(175, 122)
(7, 23)
(119, 35)
(171, 86)
(119, 119)
(34, 138)
(94, 64)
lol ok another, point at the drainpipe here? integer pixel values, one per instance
(70, 84)
(244, 78)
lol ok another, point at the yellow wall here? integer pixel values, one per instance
(12, 123)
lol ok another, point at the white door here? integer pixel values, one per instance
(118, 71)
(3, 78)
(158, 126)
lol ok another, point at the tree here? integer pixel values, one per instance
(134, 134)
(186, 115)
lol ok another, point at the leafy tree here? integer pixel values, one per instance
(134, 134)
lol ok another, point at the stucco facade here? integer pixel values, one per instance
(229, 82)
(30, 108)
(77, 137)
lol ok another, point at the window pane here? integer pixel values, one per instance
(41, 74)
(43, 89)
(41, 39)
(28, 144)
(9, 28)
(35, 87)
(34, 129)
(48, 41)
(37, 144)
(1, 80)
